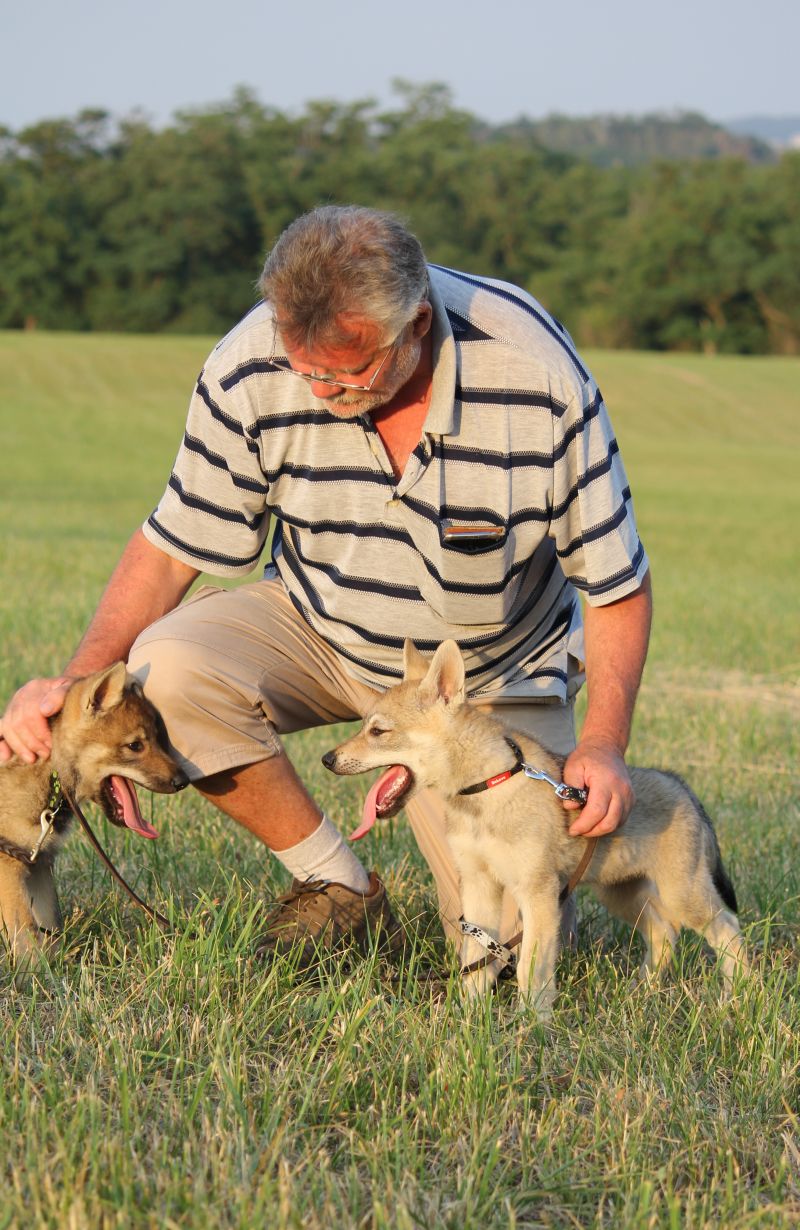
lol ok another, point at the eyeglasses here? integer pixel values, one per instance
(283, 365)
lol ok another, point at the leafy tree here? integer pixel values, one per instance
(120, 226)
(680, 257)
(46, 222)
(774, 277)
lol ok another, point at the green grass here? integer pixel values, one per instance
(152, 1081)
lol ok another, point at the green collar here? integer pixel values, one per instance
(57, 801)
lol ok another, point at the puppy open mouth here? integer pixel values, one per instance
(119, 802)
(385, 798)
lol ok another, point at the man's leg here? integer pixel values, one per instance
(551, 724)
(228, 671)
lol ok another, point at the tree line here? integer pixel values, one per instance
(119, 226)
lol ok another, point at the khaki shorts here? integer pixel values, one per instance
(231, 670)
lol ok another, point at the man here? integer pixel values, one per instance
(438, 463)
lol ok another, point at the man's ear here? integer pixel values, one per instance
(415, 667)
(423, 320)
(445, 678)
(105, 689)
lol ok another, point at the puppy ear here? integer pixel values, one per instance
(445, 679)
(105, 689)
(415, 667)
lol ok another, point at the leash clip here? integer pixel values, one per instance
(567, 794)
(46, 820)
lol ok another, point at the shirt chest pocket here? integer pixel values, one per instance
(470, 576)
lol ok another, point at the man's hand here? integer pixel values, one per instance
(24, 727)
(601, 770)
(145, 585)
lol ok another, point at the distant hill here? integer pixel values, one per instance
(782, 131)
(629, 140)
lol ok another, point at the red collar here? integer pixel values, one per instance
(498, 777)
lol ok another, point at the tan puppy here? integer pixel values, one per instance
(661, 872)
(106, 737)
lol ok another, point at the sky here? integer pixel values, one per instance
(724, 58)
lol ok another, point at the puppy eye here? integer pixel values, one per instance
(378, 730)
(135, 746)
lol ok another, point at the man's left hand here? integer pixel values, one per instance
(602, 771)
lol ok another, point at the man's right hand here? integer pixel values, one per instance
(24, 727)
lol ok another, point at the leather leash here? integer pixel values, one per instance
(151, 913)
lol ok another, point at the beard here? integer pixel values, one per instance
(349, 404)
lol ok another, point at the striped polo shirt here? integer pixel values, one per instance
(516, 447)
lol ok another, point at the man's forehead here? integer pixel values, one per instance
(359, 341)
(346, 330)
(359, 330)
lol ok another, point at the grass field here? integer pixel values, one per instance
(152, 1081)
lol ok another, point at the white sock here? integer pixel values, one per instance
(324, 856)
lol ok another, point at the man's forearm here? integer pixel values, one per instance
(617, 636)
(145, 584)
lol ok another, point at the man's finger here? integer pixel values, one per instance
(27, 744)
(29, 739)
(592, 814)
(594, 825)
(53, 701)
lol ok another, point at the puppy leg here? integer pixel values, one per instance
(705, 912)
(541, 917)
(482, 904)
(44, 899)
(637, 903)
(16, 916)
(725, 937)
(699, 905)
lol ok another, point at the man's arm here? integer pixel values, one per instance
(145, 584)
(616, 647)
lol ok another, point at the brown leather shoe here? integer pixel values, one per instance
(317, 916)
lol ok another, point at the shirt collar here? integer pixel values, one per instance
(440, 419)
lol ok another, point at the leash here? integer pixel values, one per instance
(151, 913)
(573, 794)
(59, 805)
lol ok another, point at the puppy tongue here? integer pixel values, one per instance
(124, 793)
(381, 790)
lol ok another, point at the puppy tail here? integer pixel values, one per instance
(724, 887)
(719, 876)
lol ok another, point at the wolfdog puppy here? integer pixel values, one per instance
(660, 872)
(107, 737)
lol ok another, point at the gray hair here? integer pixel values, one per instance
(341, 261)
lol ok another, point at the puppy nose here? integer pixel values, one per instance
(179, 780)
(329, 760)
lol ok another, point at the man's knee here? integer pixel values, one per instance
(167, 669)
(211, 706)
